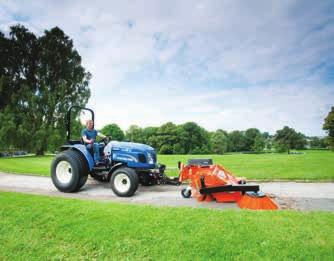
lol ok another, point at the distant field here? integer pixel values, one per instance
(43, 228)
(312, 165)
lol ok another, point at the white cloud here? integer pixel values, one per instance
(266, 107)
(278, 51)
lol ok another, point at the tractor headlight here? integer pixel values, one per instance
(150, 158)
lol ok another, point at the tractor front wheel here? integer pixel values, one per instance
(124, 182)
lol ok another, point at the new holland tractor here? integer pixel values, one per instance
(124, 164)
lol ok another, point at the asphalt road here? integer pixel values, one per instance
(289, 195)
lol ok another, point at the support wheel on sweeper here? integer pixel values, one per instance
(186, 192)
(69, 171)
(124, 182)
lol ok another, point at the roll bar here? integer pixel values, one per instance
(68, 119)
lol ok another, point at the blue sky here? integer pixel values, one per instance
(223, 64)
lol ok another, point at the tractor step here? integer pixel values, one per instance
(99, 168)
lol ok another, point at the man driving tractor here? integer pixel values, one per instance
(89, 135)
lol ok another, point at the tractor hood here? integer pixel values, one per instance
(130, 146)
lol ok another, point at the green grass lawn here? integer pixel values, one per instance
(43, 228)
(312, 165)
(28, 164)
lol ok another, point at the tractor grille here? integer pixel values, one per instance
(142, 158)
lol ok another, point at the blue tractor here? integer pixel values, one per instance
(124, 164)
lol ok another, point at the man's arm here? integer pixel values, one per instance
(84, 137)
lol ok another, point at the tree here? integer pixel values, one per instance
(287, 139)
(237, 141)
(114, 131)
(193, 138)
(17, 83)
(41, 79)
(317, 143)
(219, 141)
(267, 140)
(250, 136)
(178, 149)
(268, 144)
(167, 138)
(300, 142)
(329, 127)
(150, 134)
(259, 143)
(6, 70)
(135, 134)
(166, 149)
(266, 135)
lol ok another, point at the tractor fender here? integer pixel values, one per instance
(83, 150)
(113, 168)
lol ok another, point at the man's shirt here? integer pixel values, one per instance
(90, 134)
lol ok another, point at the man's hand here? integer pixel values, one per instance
(91, 141)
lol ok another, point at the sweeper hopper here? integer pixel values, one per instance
(208, 182)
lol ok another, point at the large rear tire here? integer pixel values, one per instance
(124, 182)
(83, 167)
(67, 171)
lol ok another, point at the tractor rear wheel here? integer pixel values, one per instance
(124, 182)
(67, 171)
(83, 167)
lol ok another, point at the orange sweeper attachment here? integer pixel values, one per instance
(209, 182)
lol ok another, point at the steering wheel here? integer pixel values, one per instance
(106, 140)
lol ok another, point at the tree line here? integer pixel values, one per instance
(190, 138)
